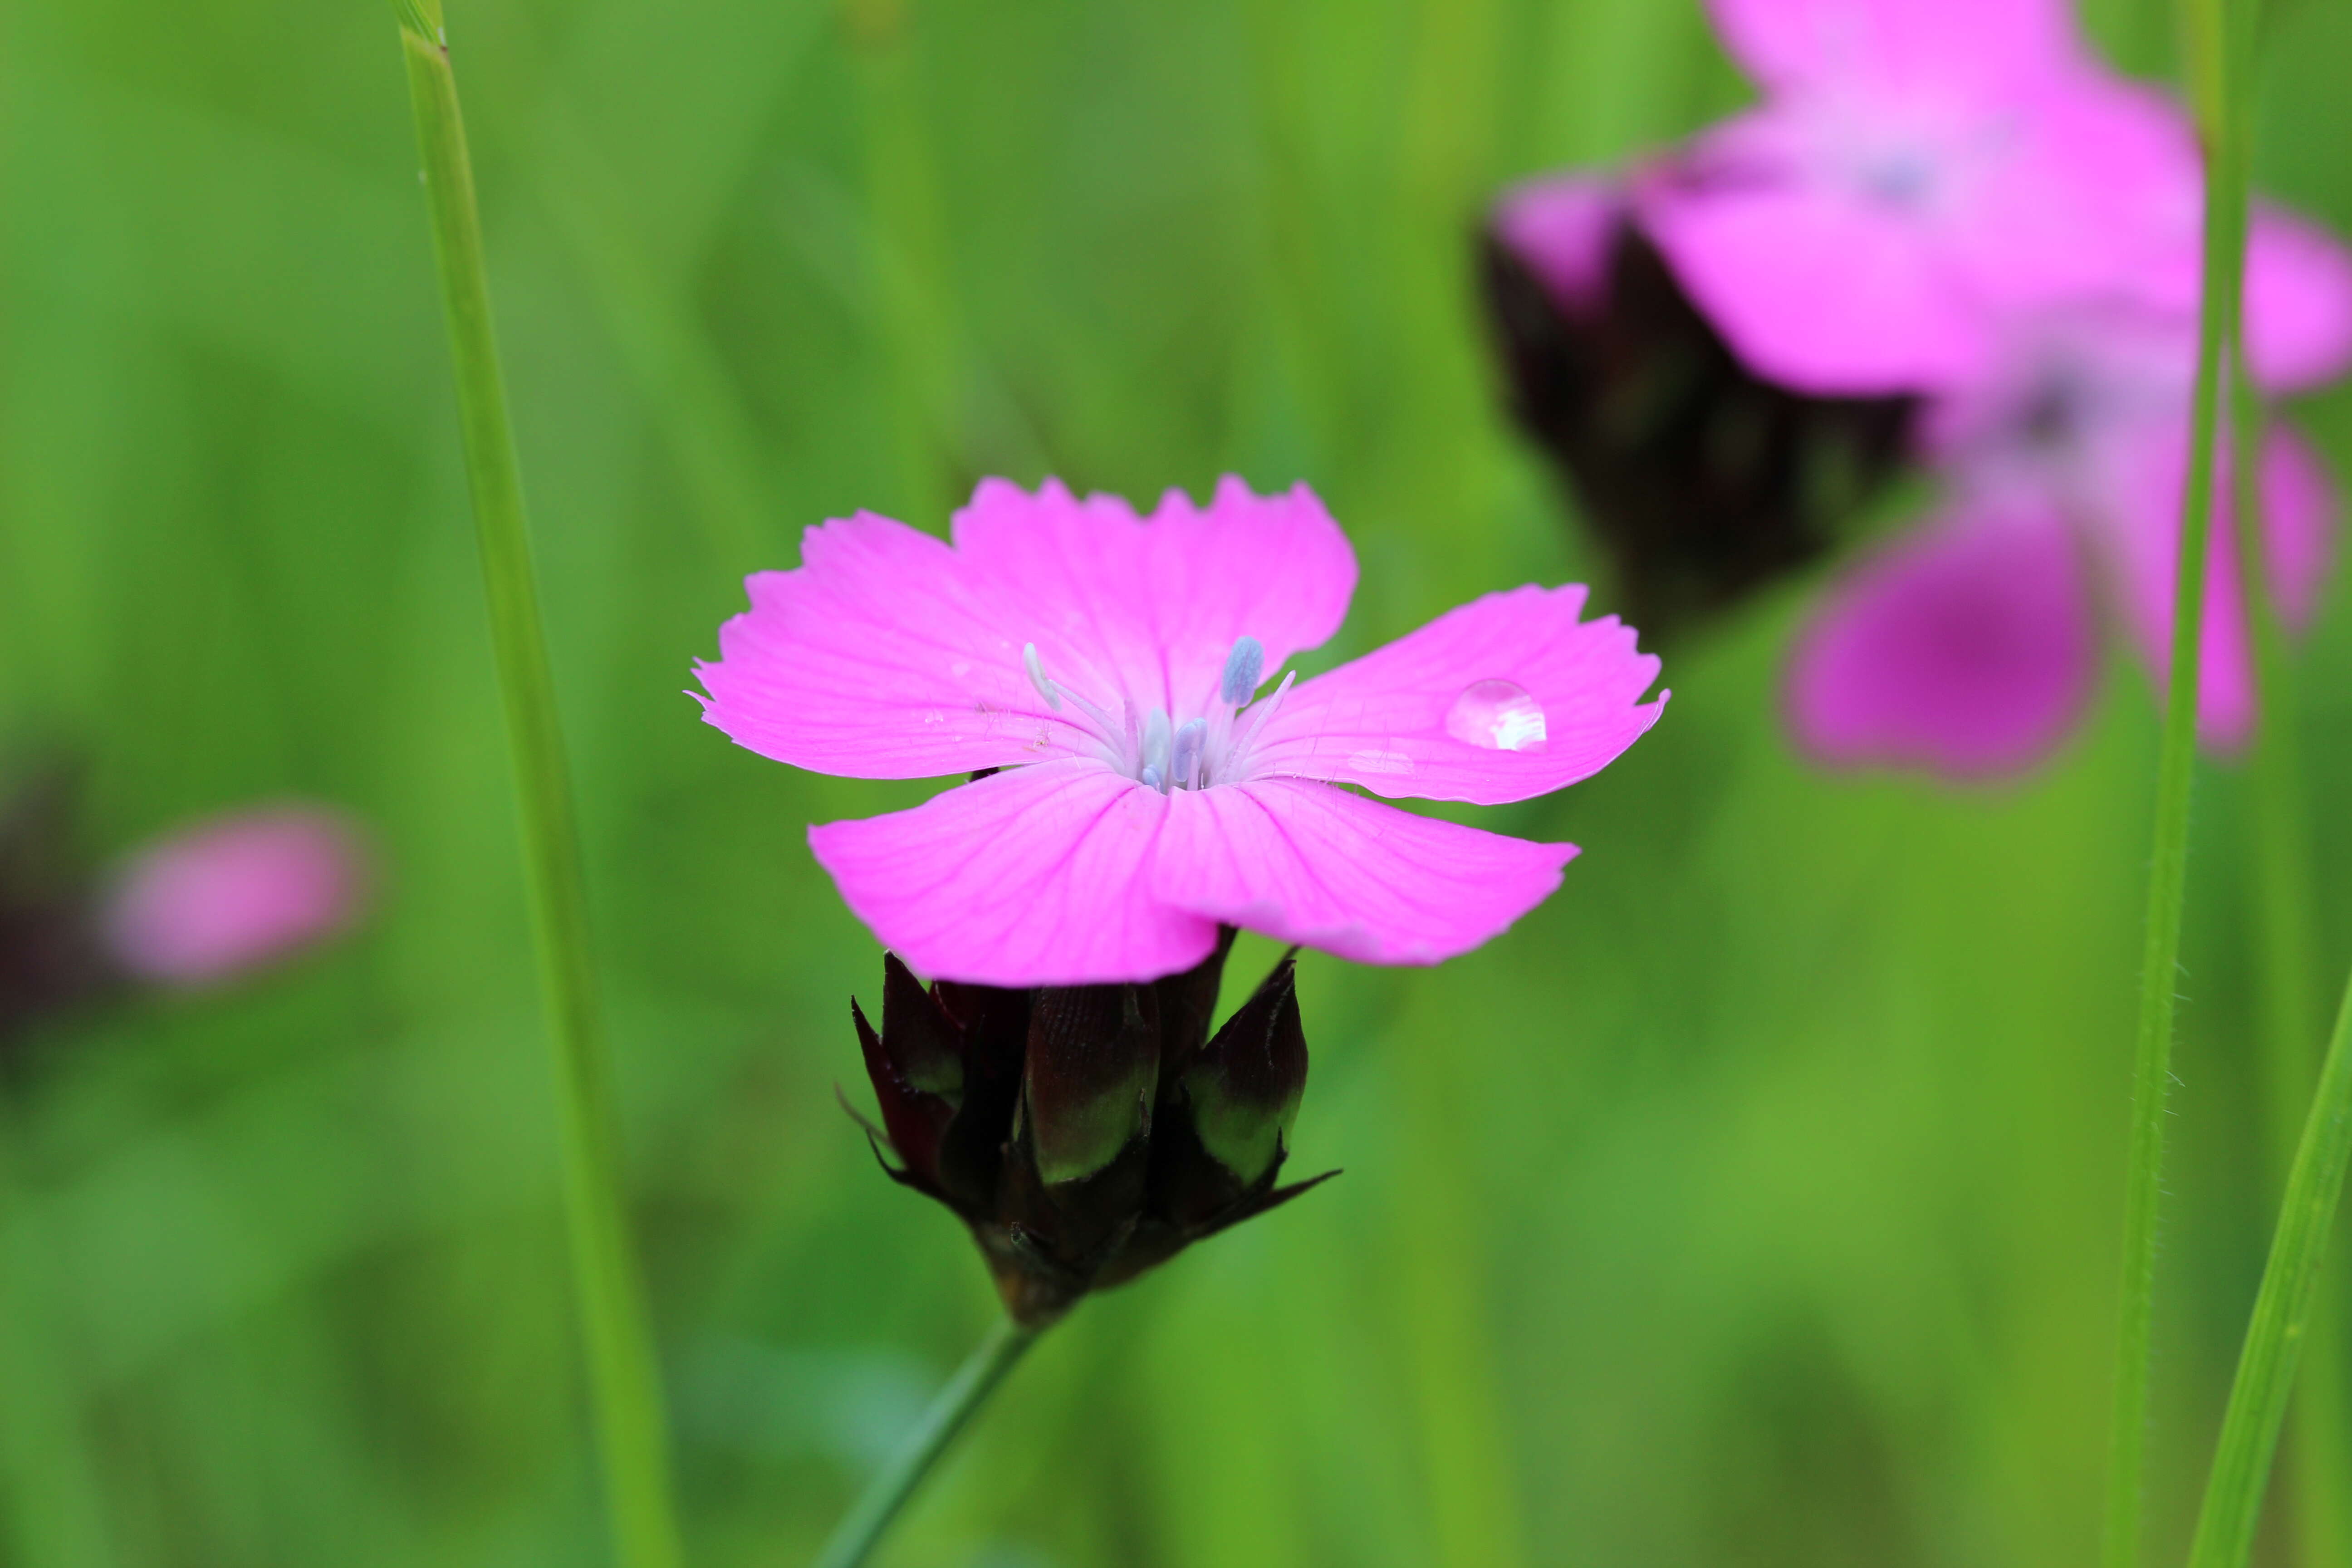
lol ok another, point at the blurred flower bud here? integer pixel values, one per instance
(233, 894)
(1088, 1132)
(50, 954)
(1703, 480)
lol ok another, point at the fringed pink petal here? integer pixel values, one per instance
(1506, 697)
(1150, 608)
(882, 655)
(1037, 875)
(1308, 863)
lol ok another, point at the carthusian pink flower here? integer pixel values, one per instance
(1918, 171)
(1969, 647)
(233, 894)
(1106, 676)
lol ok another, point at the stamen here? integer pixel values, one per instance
(1158, 742)
(1260, 714)
(1037, 668)
(1054, 692)
(1150, 779)
(1245, 667)
(1184, 761)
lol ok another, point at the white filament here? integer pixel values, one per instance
(1159, 752)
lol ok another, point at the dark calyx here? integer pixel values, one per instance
(1703, 482)
(1088, 1132)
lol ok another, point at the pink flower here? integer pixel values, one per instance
(233, 894)
(1103, 671)
(1965, 651)
(1967, 648)
(1919, 173)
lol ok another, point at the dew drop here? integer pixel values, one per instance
(1499, 715)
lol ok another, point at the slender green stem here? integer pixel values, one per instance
(2258, 1398)
(623, 1385)
(861, 1530)
(2211, 38)
(2285, 947)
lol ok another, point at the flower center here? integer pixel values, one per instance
(1163, 754)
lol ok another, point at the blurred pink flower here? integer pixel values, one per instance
(1100, 671)
(1966, 647)
(233, 894)
(1918, 171)
(1966, 650)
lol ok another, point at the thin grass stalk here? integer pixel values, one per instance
(886, 1495)
(623, 1388)
(2213, 40)
(2319, 1440)
(2286, 964)
(2282, 1319)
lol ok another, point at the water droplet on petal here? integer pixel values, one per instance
(1499, 715)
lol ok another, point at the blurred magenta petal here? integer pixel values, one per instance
(235, 894)
(1916, 173)
(1757, 257)
(1991, 44)
(1505, 697)
(1308, 863)
(2298, 303)
(1562, 228)
(2299, 523)
(1966, 650)
(1117, 679)
(1035, 876)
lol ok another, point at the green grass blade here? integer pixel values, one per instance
(2281, 1320)
(2212, 36)
(622, 1376)
(2284, 935)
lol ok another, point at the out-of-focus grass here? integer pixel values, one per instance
(1753, 1203)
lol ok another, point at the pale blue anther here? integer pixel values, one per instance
(1184, 760)
(1245, 667)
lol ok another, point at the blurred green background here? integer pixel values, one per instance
(1754, 1203)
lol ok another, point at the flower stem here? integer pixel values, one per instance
(861, 1529)
(2258, 1398)
(622, 1384)
(2212, 38)
(2284, 945)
